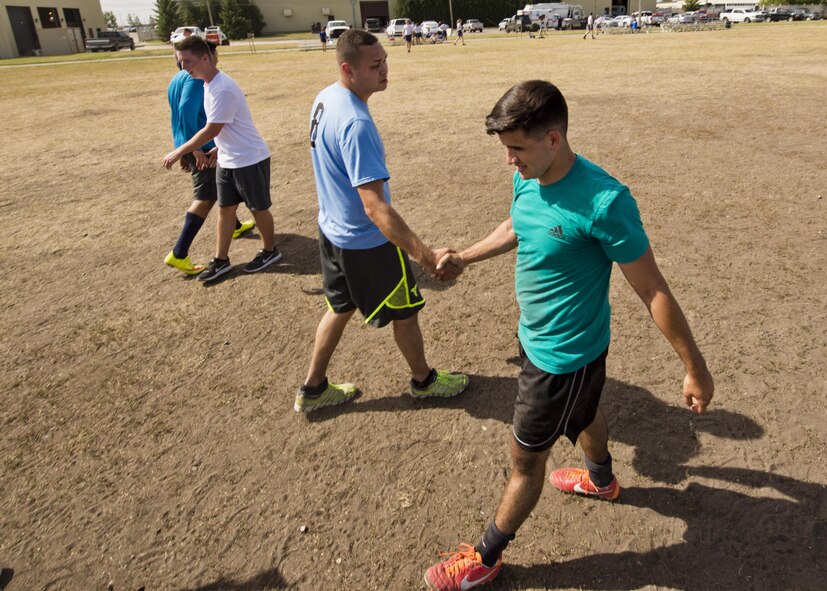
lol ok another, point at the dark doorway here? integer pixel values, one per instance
(375, 10)
(22, 25)
(72, 18)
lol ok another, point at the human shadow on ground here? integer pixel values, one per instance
(265, 580)
(731, 540)
(6, 575)
(664, 436)
(300, 256)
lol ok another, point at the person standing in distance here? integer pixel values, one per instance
(407, 34)
(589, 26)
(363, 242)
(243, 171)
(186, 103)
(570, 221)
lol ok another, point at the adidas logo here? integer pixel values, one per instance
(557, 232)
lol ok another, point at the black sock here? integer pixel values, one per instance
(192, 223)
(492, 544)
(313, 391)
(237, 224)
(427, 381)
(601, 474)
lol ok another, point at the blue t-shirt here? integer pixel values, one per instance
(347, 152)
(186, 102)
(569, 233)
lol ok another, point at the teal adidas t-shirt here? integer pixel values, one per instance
(569, 233)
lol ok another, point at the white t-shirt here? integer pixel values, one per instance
(408, 30)
(239, 143)
(590, 21)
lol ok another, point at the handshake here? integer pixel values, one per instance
(446, 264)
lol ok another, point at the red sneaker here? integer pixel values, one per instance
(463, 571)
(577, 481)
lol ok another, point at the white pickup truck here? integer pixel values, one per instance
(741, 15)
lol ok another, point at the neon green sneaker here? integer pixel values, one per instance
(184, 265)
(325, 394)
(244, 227)
(443, 384)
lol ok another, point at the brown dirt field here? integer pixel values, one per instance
(148, 437)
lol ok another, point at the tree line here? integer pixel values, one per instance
(236, 18)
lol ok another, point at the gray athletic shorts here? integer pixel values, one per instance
(249, 184)
(378, 281)
(203, 181)
(550, 405)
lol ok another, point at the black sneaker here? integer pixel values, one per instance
(263, 259)
(215, 269)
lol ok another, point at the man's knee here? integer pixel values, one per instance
(527, 462)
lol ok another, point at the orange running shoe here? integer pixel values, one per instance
(577, 481)
(462, 571)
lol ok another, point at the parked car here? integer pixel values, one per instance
(741, 15)
(472, 25)
(395, 27)
(520, 23)
(812, 16)
(686, 18)
(374, 25)
(503, 26)
(335, 28)
(178, 33)
(216, 35)
(429, 28)
(110, 41)
(623, 21)
(605, 21)
(775, 15)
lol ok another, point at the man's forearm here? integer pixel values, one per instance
(670, 319)
(501, 240)
(391, 224)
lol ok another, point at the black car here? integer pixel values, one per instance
(374, 25)
(782, 14)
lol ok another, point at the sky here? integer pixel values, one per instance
(121, 8)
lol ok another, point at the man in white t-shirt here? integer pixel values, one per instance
(589, 26)
(407, 34)
(243, 170)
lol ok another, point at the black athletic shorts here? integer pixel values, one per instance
(203, 181)
(378, 281)
(550, 405)
(250, 184)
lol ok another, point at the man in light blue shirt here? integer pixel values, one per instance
(363, 242)
(570, 221)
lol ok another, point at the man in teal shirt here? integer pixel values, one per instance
(570, 222)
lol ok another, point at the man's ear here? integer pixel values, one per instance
(345, 67)
(554, 138)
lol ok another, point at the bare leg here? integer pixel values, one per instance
(594, 439)
(224, 230)
(328, 335)
(264, 221)
(522, 491)
(201, 208)
(409, 340)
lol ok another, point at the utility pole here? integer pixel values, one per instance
(451, 11)
(353, 10)
(209, 12)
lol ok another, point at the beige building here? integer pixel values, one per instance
(47, 27)
(287, 16)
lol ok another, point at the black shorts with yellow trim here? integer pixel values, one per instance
(378, 281)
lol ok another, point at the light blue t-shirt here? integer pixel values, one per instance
(569, 233)
(347, 152)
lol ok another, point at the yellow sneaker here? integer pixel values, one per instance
(184, 265)
(244, 227)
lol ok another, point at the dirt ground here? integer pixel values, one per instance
(147, 437)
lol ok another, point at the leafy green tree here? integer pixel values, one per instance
(133, 20)
(166, 18)
(193, 13)
(110, 20)
(691, 5)
(233, 22)
(252, 13)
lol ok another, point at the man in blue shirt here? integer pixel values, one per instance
(363, 242)
(570, 221)
(186, 103)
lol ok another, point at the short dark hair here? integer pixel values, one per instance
(196, 45)
(533, 106)
(350, 42)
